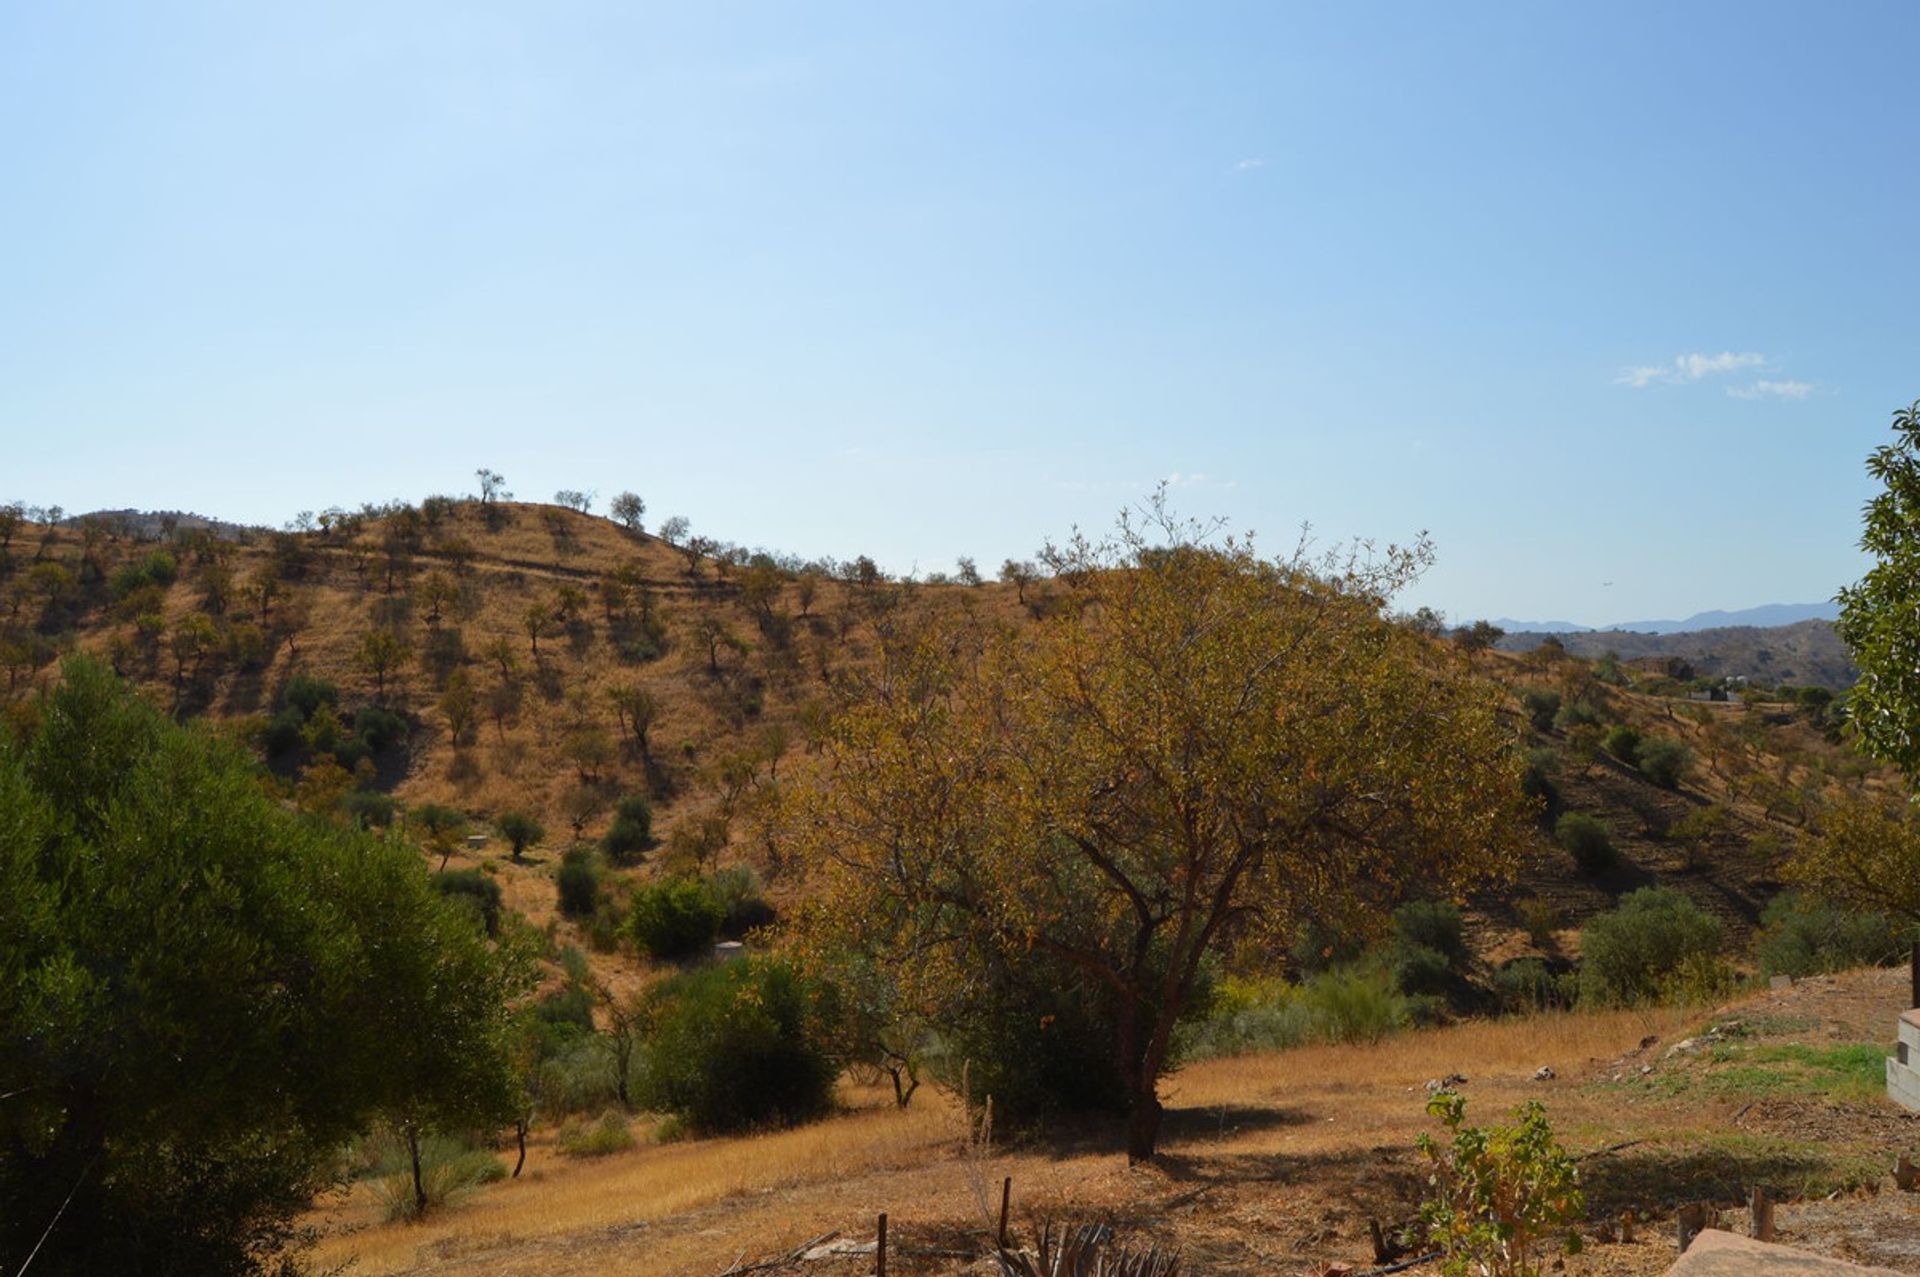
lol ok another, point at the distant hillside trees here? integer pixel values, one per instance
(1197, 747)
(628, 510)
(202, 995)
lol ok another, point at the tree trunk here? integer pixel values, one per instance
(419, 1188)
(520, 1134)
(1143, 1122)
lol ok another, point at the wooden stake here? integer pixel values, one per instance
(1906, 1176)
(880, 1248)
(1762, 1211)
(1006, 1199)
(1626, 1226)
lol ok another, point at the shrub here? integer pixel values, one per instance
(1664, 761)
(1537, 778)
(1527, 984)
(579, 883)
(1434, 925)
(737, 1046)
(1541, 706)
(1499, 1192)
(1623, 743)
(477, 890)
(610, 1134)
(743, 904)
(631, 835)
(449, 1172)
(1587, 839)
(369, 808)
(1801, 935)
(1352, 1005)
(1421, 971)
(1576, 714)
(675, 919)
(1628, 952)
(1541, 918)
(307, 694)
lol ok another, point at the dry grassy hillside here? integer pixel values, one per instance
(551, 662)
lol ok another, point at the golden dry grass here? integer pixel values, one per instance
(692, 1207)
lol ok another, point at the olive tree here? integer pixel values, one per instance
(1880, 614)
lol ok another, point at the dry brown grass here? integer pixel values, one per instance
(691, 1207)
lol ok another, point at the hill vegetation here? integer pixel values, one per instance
(610, 747)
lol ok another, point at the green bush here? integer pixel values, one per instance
(631, 835)
(477, 890)
(579, 883)
(1664, 761)
(1435, 925)
(610, 1134)
(1623, 743)
(675, 919)
(1587, 839)
(1538, 778)
(737, 1046)
(1526, 985)
(1577, 714)
(1353, 1005)
(742, 900)
(449, 1172)
(1803, 935)
(369, 808)
(1652, 937)
(1542, 706)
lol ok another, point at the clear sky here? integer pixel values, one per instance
(1622, 293)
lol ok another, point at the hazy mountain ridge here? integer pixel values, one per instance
(1765, 616)
(1806, 652)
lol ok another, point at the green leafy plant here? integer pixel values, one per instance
(1498, 1193)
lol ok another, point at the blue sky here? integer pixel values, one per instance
(1620, 294)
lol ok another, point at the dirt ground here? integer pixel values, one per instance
(1273, 1163)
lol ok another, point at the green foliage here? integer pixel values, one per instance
(1538, 780)
(1588, 840)
(1802, 934)
(1664, 761)
(1541, 918)
(307, 694)
(611, 1133)
(369, 809)
(675, 919)
(475, 891)
(743, 900)
(449, 1173)
(1623, 743)
(1498, 1193)
(156, 569)
(631, 835)
(204, 995)
(579, 883)
(520, 830)
(1576, 714)
(1434, 925)
(1526, 985)
(1038, 1037)
(1542, 705)
(738, 1046)
(1632, 953)
(1880, 615)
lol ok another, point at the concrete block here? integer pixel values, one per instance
(1720, 1254)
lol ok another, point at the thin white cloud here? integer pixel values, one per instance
(1689, 367)
(1247, 165)
(1764, 389)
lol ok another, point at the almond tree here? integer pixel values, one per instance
(1198, 746)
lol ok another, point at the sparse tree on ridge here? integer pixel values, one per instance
(675, 529)
(628, 510)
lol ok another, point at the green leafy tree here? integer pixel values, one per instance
(1880, 614)
(520, 830)
(203, 994)
(631, 835)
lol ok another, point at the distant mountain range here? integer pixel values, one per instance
(1765, 616)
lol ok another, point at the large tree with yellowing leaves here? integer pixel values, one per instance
(1195, 745)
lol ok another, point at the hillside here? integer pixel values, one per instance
(1806, 652)
(495, 658)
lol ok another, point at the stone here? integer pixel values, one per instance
(1544, 1073)
(1780, 982)
(1720, 1254)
